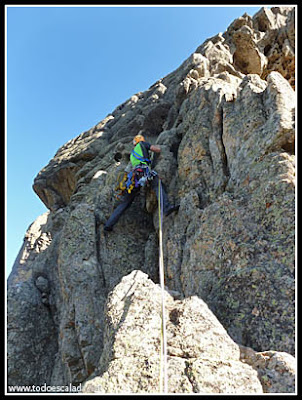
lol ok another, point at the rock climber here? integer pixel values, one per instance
(141, 168)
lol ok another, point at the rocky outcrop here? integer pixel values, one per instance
(276, 370)
(226, 125)
(201, 355)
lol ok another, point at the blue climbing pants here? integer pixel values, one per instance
(128, 198)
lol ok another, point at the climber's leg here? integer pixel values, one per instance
(126, 201)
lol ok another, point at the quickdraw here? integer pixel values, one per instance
(121, 186)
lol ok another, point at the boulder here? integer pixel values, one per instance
(202, 358)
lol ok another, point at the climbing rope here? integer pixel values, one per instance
(163, 339)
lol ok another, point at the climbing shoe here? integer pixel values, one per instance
(171, 209)
(108, 228)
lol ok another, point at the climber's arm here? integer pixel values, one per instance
(155, 149)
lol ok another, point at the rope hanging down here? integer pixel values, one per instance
(163, 341)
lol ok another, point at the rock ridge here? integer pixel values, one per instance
(82, 306)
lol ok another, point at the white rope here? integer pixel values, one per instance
(163, 347)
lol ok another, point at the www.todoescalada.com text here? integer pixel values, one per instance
(45, 389)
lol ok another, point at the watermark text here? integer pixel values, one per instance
(45, 388)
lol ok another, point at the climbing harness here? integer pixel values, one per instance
(139, 176)
(163, 338)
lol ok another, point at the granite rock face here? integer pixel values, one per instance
(83, 306)
(201, 355)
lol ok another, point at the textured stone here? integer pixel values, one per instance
(226, 126)
(276, 370)
(202, 358)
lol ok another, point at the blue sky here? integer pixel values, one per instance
(69, 67)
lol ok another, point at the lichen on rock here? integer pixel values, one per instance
(84, 307)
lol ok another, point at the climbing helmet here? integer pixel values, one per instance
(137, 139)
